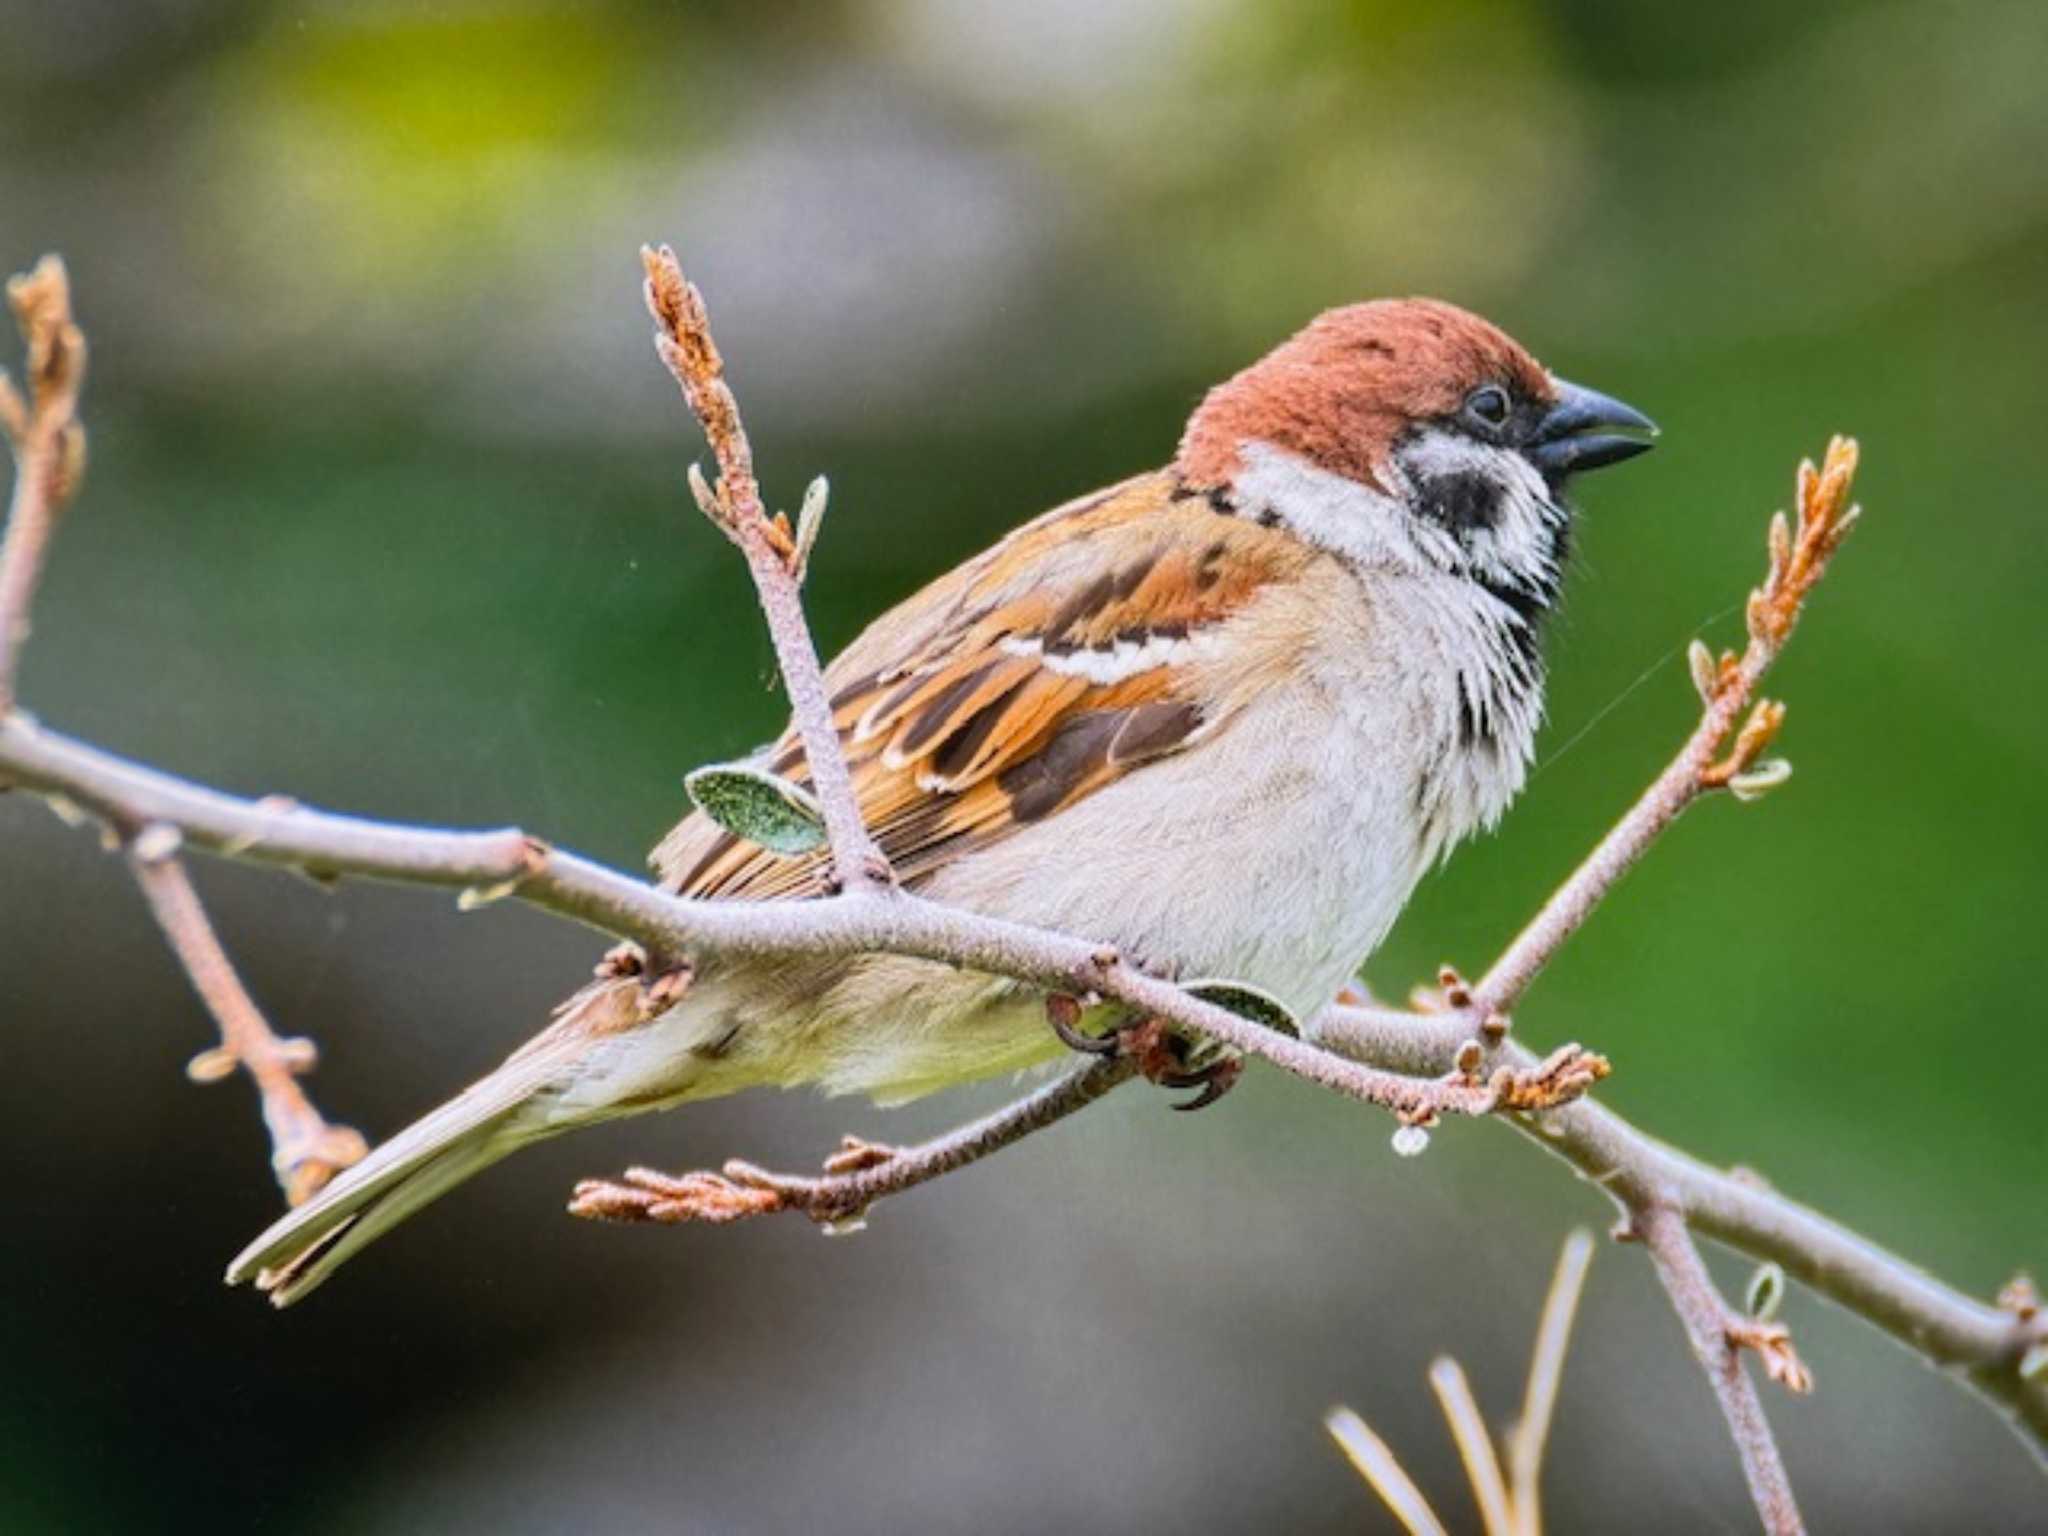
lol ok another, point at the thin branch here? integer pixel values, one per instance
(1475, 1444)
(1708, 1324)
(775, 557)
(306, 1151)
(1504, 1510)
(1798, 560)
(856, 1176)
(1979, 1342)
(48, 445)
(511, 864)
(1382, 1469)
(1976, 1341)
(1527, 1440)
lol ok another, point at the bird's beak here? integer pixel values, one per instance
(1588, 430)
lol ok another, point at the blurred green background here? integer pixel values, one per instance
(387, 511)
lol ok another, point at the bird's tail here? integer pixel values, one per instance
(420, 1164)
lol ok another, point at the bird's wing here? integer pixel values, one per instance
(1033, 675)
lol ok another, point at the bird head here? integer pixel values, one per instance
(1409, 434)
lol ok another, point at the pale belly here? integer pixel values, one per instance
(1277, 852)
(1278, 855)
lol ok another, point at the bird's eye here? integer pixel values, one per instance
(1488, 404)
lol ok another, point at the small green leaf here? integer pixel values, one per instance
(1765, 1291)
(1761, 779)
(1246, 1001)
(749, 803)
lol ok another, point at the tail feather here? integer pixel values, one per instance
(426, 1160)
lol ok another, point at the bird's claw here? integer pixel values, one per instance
(1063, 1011)
(1160, 1055)
(1215, 1080)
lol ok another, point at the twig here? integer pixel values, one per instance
(1710, 1327)
(1475, 1444)
(48, 442)
(511, 864)
(306, 1151)
(1980, 1343)
(856, 1176)
(48, 445)
(1504, 1509)
(1527, 1440)
(1382, 1469)
(1974, 1341)
(775, 557)
(1986, 1345)
(1798, 560)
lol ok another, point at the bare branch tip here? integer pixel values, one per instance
(41, 301)
(665, 287)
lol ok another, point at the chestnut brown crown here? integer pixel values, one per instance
(1342, 391)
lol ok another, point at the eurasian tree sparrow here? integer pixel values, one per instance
(1223, 716)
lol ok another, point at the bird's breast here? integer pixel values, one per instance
(1278, 852)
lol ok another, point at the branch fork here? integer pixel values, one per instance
(1510, 1500)
(306, 1149)
(776, 557)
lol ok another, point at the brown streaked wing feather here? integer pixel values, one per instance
(1031, 676)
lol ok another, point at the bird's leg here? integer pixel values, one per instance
(1160, 1055)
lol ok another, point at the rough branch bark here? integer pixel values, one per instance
(306, 1150)
(1663, 1231)
(1419, 1066)
(775, 557)
(508, 863)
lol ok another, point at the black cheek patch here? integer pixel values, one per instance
(1462, 501)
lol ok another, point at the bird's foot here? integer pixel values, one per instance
(1160, 1055)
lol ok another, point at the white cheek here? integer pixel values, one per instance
(1367, 528)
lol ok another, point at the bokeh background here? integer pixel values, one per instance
(387, 511)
